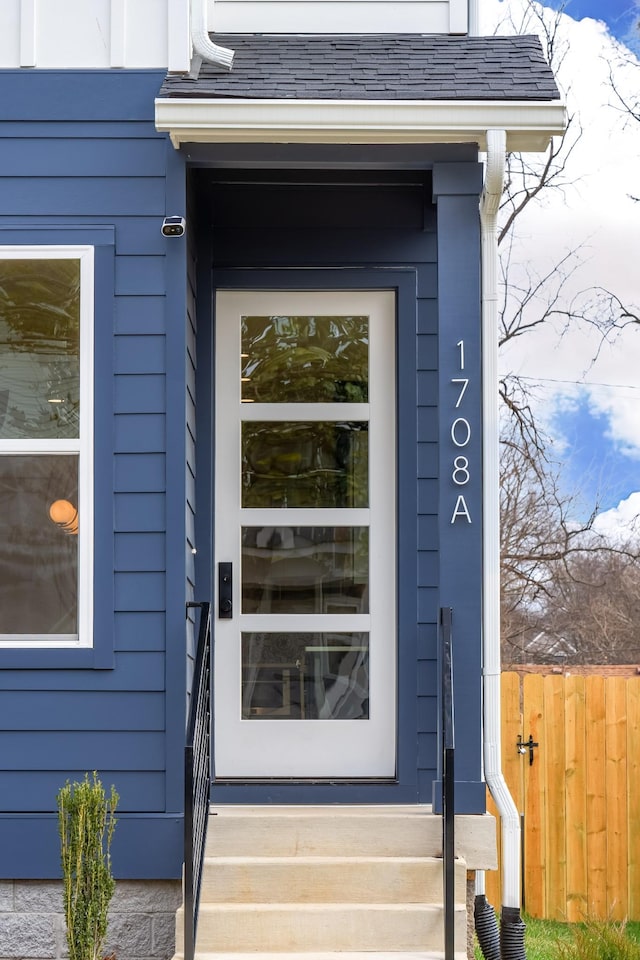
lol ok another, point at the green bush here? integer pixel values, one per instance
(86, 821)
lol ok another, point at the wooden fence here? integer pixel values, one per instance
(580, 798)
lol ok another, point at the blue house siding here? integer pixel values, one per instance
(456, 189)
(85, 166)
(191, 456)
(81, 162)
(381, 227)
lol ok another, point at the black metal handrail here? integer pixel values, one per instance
(197, 778)
(448, 781)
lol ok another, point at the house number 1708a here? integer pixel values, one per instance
(460, 437)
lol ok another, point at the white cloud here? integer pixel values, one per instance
(622, 523)
(596, 211)
(621, 408)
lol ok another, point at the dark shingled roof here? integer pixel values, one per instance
(374, 67)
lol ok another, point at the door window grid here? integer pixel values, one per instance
(320, 364)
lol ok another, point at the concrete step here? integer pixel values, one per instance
(316, 955)
(333, 831)
(289, 831)
(326, 927)
(327, 880)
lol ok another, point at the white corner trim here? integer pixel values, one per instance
(178, 37)
(529, 125)
(117, 55)
(458, 16)
(28, 43)
(473, 14)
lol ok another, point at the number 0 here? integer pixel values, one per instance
(464, 429)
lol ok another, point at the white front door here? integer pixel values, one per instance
(305, 612)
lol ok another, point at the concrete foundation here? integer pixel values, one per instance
(141, 920)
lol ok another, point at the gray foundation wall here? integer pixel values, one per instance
(141, 920)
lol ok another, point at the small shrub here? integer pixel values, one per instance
(598, 940)
(86, 823)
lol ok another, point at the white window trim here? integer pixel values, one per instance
(83, 447)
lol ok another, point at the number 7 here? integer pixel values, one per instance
(465, 383)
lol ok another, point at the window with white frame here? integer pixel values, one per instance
(46, 445)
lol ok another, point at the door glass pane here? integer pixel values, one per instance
(305, 570)
(305, 359)
(305, 676)
(307, 464)
(40, 355)
(38, 545)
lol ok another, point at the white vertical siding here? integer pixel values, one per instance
(117, 51)
(72, 32)
(28, 34)
(338, 16)
(147, 34)
(103, 34)
(10, 42)
(98, 34)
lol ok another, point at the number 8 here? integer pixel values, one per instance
(460, 473)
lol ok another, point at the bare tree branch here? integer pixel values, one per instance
(567, 591)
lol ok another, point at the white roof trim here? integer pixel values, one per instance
(529, 124)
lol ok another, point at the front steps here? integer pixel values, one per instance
(317, 881)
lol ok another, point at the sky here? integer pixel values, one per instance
(620, 16)
(588, 393)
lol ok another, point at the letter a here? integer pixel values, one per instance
(461, 510)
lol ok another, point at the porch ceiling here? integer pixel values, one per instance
(367, 89)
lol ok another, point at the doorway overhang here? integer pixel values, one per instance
(529, 125)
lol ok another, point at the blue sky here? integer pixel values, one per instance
(621, 16)
(586, 392)
(599, 466)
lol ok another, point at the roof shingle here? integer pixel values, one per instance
(374, 67)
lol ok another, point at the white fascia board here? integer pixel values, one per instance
(529, 124)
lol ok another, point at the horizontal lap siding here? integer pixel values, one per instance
(190, 439)
(428, 559)
(57, 724)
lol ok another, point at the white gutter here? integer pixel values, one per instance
(530, 124)
(510, 819)
(202, 45)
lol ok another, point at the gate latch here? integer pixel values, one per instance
(522, 745)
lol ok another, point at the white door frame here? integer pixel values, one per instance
(294, 748)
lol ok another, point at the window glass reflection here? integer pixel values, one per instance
(289, 359)
(38, 545)
(305, 676)
(307, 464)
(305, 570)
(40, 348)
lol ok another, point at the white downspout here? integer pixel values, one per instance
(202, 45)
(489, 203)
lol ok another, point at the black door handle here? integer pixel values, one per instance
(225, 591)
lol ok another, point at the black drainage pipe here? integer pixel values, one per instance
(486, 928)
(512, 928)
